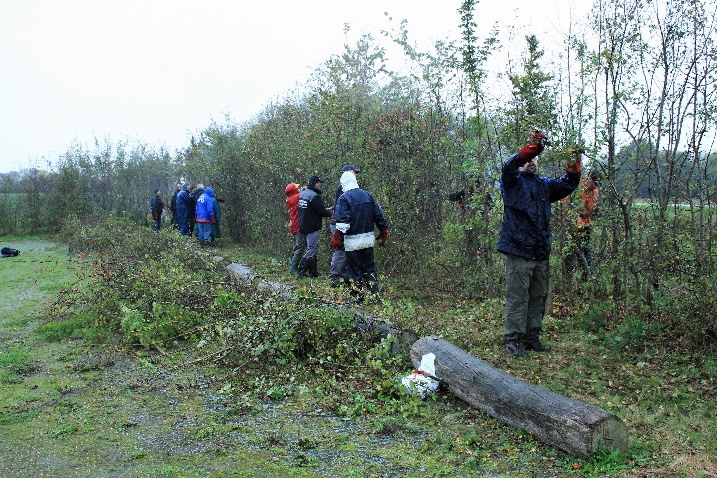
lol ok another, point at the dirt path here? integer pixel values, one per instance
(68, 409)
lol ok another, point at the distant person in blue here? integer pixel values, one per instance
(205, 217)
(356, 214)
(184, 209)
(525, 239)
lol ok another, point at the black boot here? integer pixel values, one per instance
(356, 291)
(536, 346)
(313, 273)
(303, 268)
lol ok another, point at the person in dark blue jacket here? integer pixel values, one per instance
(184, 209)
(157, 206)
(525, 239)
(173, 206)
(337, 270)
(356, 214)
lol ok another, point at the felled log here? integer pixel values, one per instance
(367, 323)
(244, 274)
(571, 425)
(364, 322)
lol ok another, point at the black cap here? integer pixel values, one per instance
(313, 180)
(350, 167)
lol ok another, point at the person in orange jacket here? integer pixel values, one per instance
(298, 239)
(580, 233)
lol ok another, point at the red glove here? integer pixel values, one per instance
(214, 220)
(155, 215)
(574, 167)
(536, 146)
(337, 240)
(382, 237)
(538, 137)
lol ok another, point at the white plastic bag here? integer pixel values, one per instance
(420, 381)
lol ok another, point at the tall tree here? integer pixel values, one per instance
(533, 102)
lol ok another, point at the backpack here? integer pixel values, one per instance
(9, 251)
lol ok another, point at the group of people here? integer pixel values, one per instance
(525, 234)
(353, 219)
(192, 211)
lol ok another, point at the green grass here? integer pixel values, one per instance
(666, 397)
(103, 408)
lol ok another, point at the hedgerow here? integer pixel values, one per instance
(136, 288)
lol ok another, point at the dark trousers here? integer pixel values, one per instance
(184, 225)
(361, 268)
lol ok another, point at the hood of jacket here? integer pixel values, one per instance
(209, 192)
(348, 181)
(291, 189)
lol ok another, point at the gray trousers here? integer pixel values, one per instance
(312, 243)
(299, 244)
(337, 270)
(526, 284)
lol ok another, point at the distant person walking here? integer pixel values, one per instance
(581, 231)
(157, 206)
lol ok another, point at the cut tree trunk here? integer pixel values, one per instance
(571, 425)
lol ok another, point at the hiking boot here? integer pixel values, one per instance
(536, 346)
(303, 268)
(514, 348)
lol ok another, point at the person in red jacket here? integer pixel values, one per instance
(298, 239)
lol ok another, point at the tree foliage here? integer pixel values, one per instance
(635, 87)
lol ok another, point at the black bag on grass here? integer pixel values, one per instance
(9, 252)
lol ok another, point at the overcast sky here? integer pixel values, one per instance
(156, 71)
